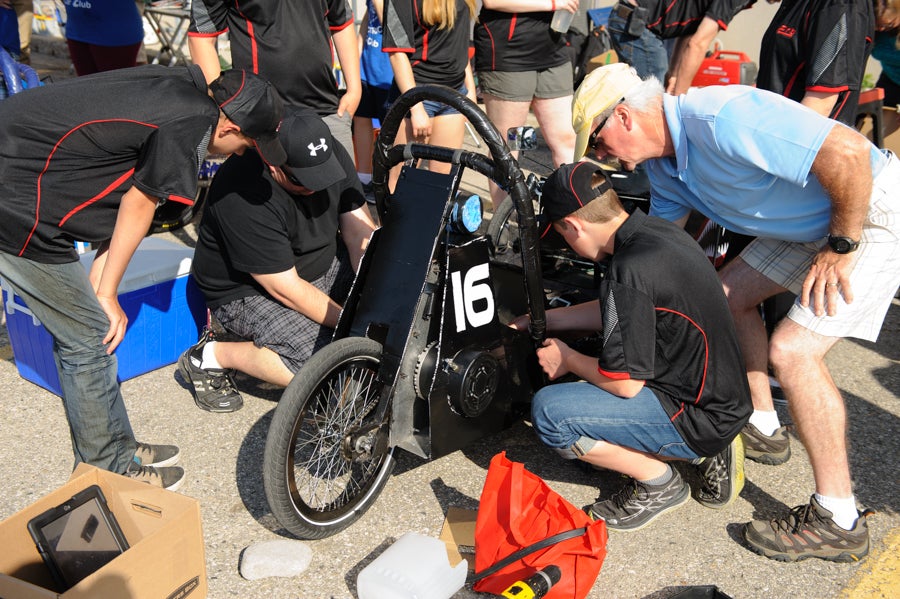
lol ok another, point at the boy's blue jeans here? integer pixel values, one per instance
(572, 417)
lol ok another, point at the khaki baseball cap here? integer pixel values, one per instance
(601, 89)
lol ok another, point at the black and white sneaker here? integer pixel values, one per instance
(213, 388)
(637, 504)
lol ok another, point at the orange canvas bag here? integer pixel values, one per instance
(518, 512)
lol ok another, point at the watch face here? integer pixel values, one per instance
(842, 245)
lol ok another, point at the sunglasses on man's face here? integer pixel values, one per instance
(592, 138)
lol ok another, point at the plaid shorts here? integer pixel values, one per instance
(291, 335)
(876, 271)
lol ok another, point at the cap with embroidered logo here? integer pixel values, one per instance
(310, 150)
(253, 105)
(567, 189)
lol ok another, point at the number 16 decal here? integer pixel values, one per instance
(473, 301)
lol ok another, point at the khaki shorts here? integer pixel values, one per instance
(876, 271)
(524, 86)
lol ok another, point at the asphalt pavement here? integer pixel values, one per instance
(222, 457)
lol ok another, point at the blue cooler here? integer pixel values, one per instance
(166, 312)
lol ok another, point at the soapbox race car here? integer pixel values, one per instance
(422, 359)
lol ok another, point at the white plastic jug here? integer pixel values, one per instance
(414, 567)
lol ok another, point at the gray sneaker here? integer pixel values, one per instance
(156, 455)
(722, 476)
(808, 531)
(637, 504)
(772, 450)
(167, 477)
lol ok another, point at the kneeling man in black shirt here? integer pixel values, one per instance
(269, 263)
(668, 383)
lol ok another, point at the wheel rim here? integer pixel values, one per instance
(337, 449)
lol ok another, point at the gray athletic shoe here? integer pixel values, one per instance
(722, 476)
(156, 455)
(772, 450)
(637, 504)
(167, 477)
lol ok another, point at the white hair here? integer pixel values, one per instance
(643, 98)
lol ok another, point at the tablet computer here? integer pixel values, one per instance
(78, 537)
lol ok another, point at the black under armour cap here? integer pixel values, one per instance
(310, 149)
(253, 105)
(567, 189)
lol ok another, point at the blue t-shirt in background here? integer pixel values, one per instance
(887, 53)
(104, 22)
(375, 65)
(9, 31)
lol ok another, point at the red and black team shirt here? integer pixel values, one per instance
(69, 151)
(287, 42)
(676, 18)
(818, 46)
(666, 322)
(507, 41)
(436, 55)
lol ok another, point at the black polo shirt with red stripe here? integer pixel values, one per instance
(506, 41)
(285, 42)
(666, 322)
(677, 18)
(819, 46)
(70, 150)
(436, 55)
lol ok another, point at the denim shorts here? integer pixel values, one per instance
(432, 107)
(572, 417)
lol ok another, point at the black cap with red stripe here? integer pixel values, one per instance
(252, 104)
(567, 189)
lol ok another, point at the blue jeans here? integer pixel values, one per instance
(646, 53)
(61, 297)
(572, 417)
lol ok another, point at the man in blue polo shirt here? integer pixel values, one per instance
(818, 197)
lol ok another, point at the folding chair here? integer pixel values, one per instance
(171, 38)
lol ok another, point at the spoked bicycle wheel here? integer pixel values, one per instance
(327, 456)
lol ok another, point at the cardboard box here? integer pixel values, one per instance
(165, 310)
(458, 534)
(165, 560)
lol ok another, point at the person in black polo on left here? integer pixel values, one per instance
(269, 263)
(90, 159)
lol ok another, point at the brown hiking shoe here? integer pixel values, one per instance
(772, 450)
(808, 531)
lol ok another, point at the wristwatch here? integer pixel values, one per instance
(842, 245)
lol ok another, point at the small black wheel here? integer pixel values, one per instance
(327, 456)
(503, 230)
